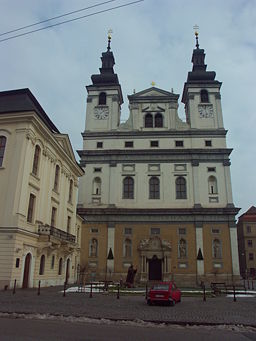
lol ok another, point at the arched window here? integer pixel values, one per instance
(182, 251)
(93, 248)
(148, 121)
(216, 249)
(57, 176)
(102, 98)
(36, 160)
(212, 185)
(154, 188)
(97, 186)
(127, 248)
(42, 265)
(181, 190)
(128, 188)
(2, 149)
(60, 266)
(70, 193)
(204, 96)
(159, 120)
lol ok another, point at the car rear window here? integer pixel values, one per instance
(160, 287)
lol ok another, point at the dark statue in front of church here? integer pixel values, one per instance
(130, 276)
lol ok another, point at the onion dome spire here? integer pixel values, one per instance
(107, 74)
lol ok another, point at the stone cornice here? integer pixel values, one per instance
(175, 215)
(154, 155)
(92, 135)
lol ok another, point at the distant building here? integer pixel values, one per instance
(157, 190)
(39, 228)
(246, 234)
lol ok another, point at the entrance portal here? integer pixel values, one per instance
(155, 269)
(26, 271)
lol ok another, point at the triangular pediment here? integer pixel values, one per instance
(153, 91)
(64, 141)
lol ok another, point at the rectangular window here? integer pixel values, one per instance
(154, 143)
(155, 230)
(99, 144)
(211, 169)
(53, 216)
(182, 231)
(215, 231)
(31, 206)
(2, 149)
(94, 230)
(249, 243)
(17, 262)
(68, 224)
(128, 144)
(97, 170)
(128, 230)
(251, 256)
(179, 144)
(52, 262)
(208, 143)
(248, 229)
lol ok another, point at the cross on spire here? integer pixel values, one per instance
(196, 28)
(109, 38)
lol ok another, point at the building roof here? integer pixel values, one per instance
(249, 215)
(23, 100)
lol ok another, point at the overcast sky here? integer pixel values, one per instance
(152, 41)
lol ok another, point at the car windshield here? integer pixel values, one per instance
(161, 287)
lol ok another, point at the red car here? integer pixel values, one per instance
(164, 292)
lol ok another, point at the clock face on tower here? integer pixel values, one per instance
(101, 113)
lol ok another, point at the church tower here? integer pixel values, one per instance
(104, 96)
(201, 94)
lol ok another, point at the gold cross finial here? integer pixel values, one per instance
(153, 83)
(196, 29)
(110, 33)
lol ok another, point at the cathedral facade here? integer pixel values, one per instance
(156, 192)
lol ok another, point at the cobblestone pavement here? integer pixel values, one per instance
(219, 310)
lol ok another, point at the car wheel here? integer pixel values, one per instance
(149, 302)
(172, 303)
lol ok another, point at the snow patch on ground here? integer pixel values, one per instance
(135, 323)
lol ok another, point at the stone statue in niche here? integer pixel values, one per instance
(182, 248)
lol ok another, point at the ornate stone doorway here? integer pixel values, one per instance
(155, 269)
(155, 255)
(26, 271)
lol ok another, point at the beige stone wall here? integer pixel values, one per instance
(18, 236)
(169, 232)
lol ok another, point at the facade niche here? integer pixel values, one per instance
(204, 96)
(102, 98)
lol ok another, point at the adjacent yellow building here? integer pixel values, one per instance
(39, 228)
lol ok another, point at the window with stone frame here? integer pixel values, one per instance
(102, 98)
(31, 208)
(128, 188)
(204, 96)
(36, 160)
(212, 185)
(216, 249)
(53, 216)
(68, 224)
(70, 192)
(42, 265)
(154, 188)
(251, 256)
(249, 242)
(97, 186)
(56, 178)
(60, 266)
(127, 248)
(2, 149)
(159, 120)
(181, 188)
(148, 121)
(182, 248)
